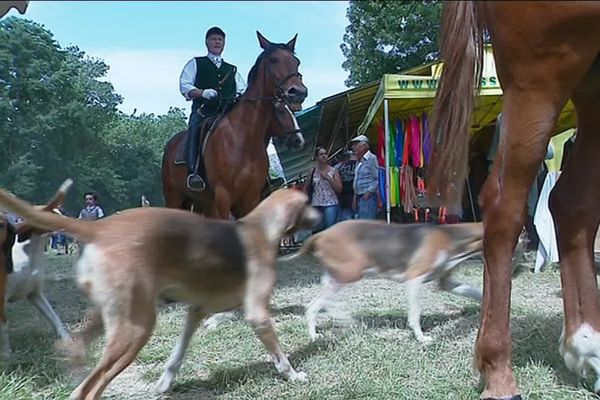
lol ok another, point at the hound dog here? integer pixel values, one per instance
(416, 253)
(26, 277)
(142, 254)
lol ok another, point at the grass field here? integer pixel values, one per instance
(367, 351)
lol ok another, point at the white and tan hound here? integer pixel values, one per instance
(132, 259)
(415, 253)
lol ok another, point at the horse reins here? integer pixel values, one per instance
(279, 98)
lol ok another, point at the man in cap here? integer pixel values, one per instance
(210, 83)
(366, 179)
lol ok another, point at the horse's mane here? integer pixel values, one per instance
(267, 52)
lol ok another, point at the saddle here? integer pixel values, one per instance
(209, 124)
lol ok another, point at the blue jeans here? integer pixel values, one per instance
(367, 209)
(345, 213)
(328, 215)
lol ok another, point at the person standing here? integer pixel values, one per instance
(346, 169)
(324, 183)
(366, 179)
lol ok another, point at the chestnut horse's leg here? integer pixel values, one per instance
(537, 83)
(222, 202)
(575, 206)
(246, 204)
(174, 199)
(526, 130)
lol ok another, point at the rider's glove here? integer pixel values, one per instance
(209, 94)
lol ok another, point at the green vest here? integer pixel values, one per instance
(208, 76)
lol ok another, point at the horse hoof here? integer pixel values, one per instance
(581, 351)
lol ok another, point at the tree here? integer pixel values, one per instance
(59, 119)
(52, 106)
(386, 37)
(135, 145)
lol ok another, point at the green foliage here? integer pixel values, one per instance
(59, 119)
(386, 37)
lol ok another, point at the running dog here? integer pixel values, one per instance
(24, 275)
(132, 259)
(415, 253)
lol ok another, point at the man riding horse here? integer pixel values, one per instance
(211, 84)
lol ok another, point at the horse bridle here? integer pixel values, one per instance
(289, 110)
(279, 98)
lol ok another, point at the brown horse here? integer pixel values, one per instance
(235, 155)
(546, 53)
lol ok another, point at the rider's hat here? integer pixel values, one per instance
(215, 30)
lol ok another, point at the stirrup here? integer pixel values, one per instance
(195, 182)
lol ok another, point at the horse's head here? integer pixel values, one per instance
(284, 127)
(278, 66)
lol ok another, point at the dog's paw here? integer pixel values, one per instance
(215, 320)
(72, 352)
(209, 326)
(424, 339)
(298, 377)
(65, 336)
(164, 384)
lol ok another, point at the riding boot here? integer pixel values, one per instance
(194, 181)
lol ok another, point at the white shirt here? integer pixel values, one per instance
(188, 77)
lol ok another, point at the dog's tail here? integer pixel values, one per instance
(307, 247)
(44, 219)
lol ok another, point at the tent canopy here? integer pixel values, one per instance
(334, 120)
(413, 92)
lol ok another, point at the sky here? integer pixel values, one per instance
(147, 43)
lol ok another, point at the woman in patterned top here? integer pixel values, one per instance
(325, 183)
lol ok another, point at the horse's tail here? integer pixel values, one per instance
(462, 54)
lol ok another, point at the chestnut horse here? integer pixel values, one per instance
(546, 53)
(235, 156)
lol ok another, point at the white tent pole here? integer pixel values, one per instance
(386, 121)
